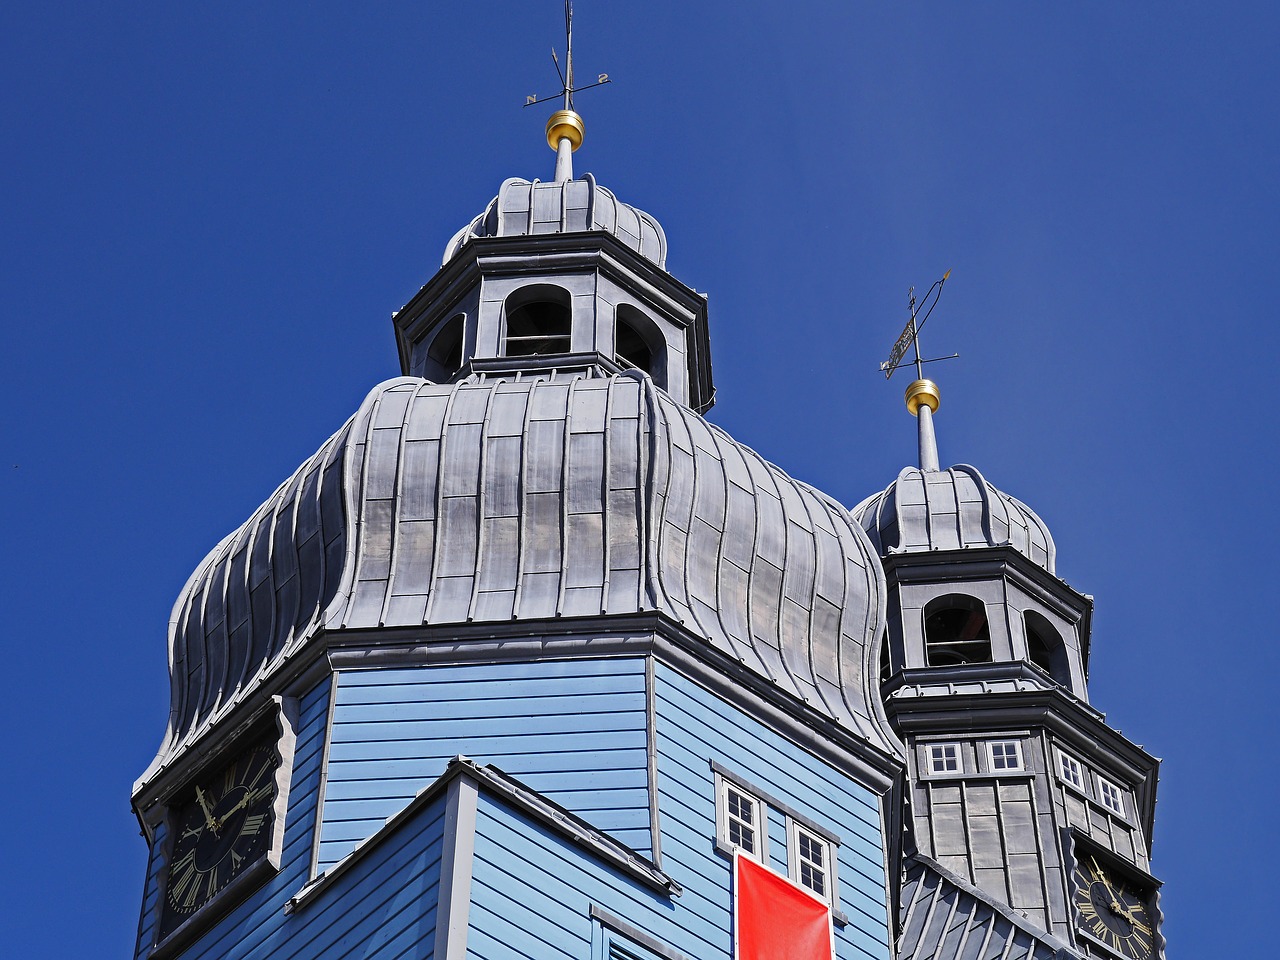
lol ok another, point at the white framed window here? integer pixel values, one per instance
(1005, 755)
(741, 820)
(944, 758)
(1069, 771)
(1110, 796)
(811, 860)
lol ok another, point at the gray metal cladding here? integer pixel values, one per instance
(951, 509)
(498, 500)
(944, 918)
(525, 207)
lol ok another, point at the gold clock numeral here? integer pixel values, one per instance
(236, 860)
(262, 771)
(228, 780)
(262, 792)
(253, 824)
(1100, 928)
(193, 891)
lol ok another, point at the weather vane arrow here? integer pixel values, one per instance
(911, 333)
(567, 88)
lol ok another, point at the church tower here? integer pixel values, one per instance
(1016, 794)
(529, 660)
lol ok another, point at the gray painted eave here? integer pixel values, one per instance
(494, 782)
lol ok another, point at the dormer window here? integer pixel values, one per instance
(956, 631)
(539, 321)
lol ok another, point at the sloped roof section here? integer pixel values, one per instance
(537, 499)
(944, 918)
(951, 509)
(526, 207)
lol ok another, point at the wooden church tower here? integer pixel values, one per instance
(530, 660)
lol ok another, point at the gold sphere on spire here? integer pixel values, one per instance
(922, 393)
(565, 125)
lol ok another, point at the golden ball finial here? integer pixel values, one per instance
(922, 393)
(565, 125)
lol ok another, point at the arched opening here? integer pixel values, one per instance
(1045, 647)
(956, 631)
(445, 353)
(638, 344)
(884, 658)
(539, 321)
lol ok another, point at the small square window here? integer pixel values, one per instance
(944, 758)
(810, 858)
(1111, 796)
(740, 819)
(1005, 754)
(1069, 770)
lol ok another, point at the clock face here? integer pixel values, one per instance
(222, 829)
(1113, 910)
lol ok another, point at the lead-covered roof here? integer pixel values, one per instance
(528, 207)
(497, 500)
(951, 509)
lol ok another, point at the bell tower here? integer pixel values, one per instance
(1015, 792)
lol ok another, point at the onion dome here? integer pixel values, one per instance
(492, 501)
(524, 207)
(949, 510)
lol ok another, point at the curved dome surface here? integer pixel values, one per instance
(951, 509)
(524, 207)
(496, 500)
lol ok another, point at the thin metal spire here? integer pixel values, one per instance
(565, 128)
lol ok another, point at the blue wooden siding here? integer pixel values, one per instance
(384, 907)
(694, 727)
(151, 892)
(573, 730)
(532, 890)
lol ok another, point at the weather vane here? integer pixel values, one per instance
(911, 333)
(567, 89)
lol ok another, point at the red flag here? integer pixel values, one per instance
(775, 919)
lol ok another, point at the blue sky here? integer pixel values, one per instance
(210, 211)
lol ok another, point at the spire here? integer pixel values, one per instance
(922, 395)
(922, 400)
(565, 128)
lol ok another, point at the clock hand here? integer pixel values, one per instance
(208, 814)
(244, 802)
(1098, 873)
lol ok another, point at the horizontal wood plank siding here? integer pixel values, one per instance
(695, 727)
(383, 908)
(573, 730)
(532, 890)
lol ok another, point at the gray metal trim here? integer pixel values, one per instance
(324, 776)
(651, 760)
(649, 942)
(628, 635)
(453, 912)
(516, 794)
(734, 777)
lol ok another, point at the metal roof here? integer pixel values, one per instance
(945, 918)
(951, 509)
(524, 207)
(492, 500)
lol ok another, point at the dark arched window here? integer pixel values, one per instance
(1045, 647)
(638, 343)
(956, 631)
(539, 321)
(444, 356)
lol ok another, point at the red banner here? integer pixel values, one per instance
(775, 919)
